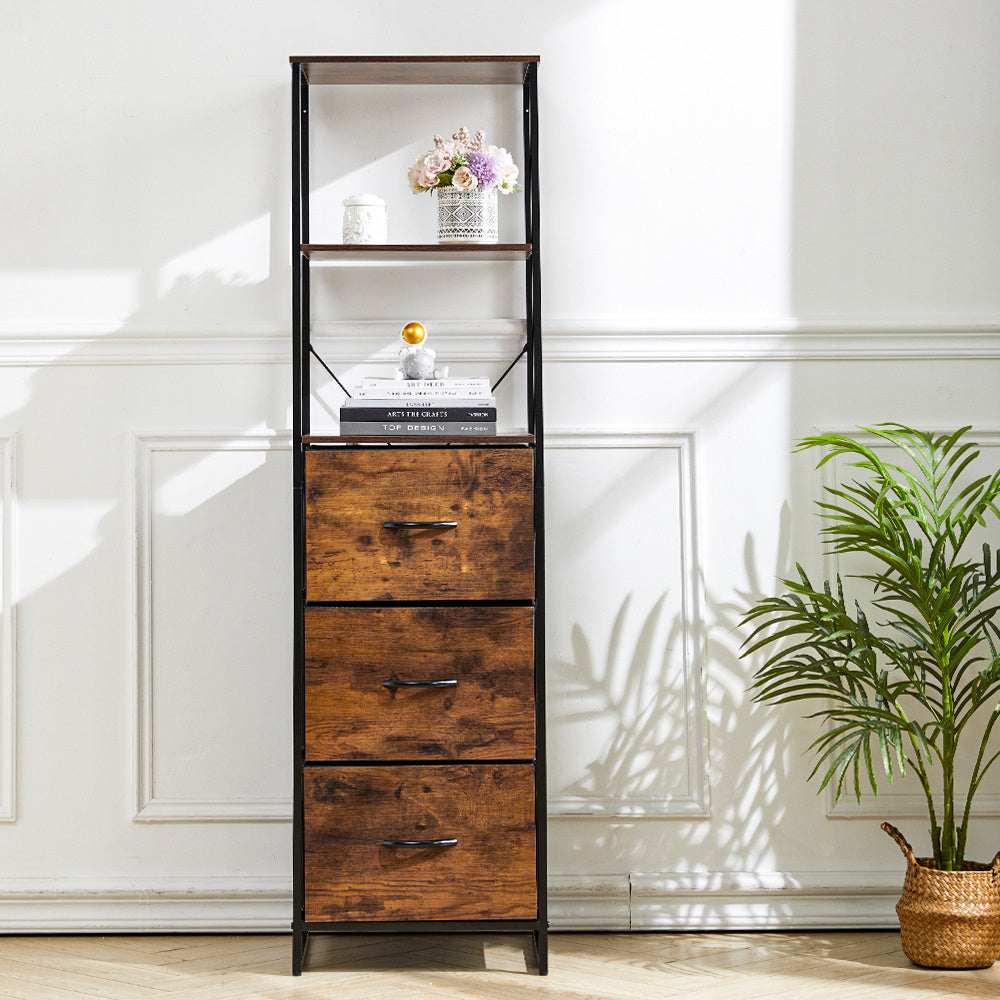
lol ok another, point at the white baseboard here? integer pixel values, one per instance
(78, 905)
(750, 901)
(589, 902)
(637, 902)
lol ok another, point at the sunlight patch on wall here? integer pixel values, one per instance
(68, 531)
(193, 483)
(50, 300)
(240, 256)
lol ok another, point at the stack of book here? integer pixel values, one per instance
(400, 407)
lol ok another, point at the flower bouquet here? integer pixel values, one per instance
(467, 174)
(465, 164)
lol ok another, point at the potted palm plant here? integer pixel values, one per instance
(902, 662)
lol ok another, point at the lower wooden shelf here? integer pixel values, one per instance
(438, 440)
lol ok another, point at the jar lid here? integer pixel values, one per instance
(364, 199)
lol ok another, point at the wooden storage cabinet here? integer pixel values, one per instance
(419, 797)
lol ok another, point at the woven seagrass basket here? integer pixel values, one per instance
(948, 920)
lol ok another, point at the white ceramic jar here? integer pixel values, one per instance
(365, 219)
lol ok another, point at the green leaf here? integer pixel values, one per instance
(912, 653)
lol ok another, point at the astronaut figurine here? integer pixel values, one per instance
(415, 361)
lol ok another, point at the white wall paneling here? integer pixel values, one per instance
(8, 631)
(626, 728)
(211, 575)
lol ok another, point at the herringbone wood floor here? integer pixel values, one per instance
(821, 966)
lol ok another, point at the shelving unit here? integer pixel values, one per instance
(419, 719)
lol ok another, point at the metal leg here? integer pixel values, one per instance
(541, 939)
(300, 942)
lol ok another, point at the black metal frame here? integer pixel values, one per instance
(301, 352)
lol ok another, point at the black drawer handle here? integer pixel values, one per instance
(443, 842)
(419, 684)
(393, 525)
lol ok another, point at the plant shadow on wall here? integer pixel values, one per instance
(750, 756)
(631, 705)
(634, 719)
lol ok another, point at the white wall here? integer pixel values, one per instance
(758, 220)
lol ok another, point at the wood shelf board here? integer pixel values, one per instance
(444, 440)
(415, 69)
(403, 252)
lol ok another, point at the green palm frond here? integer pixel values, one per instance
(932, 649)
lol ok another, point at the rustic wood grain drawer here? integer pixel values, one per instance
(485, 493)
(483, 814)
(416, 683)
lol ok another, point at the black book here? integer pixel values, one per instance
(403, 428)
(391, 412)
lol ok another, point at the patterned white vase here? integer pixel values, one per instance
(467, 216)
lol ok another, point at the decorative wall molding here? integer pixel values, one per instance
(694, 802)
(898, 804)
(8, 631)
(148, 806)
(904, 805)
(589, 902)
(493, 341)
(752, 901)
(668, 901)
(868, 341)
(79, 904)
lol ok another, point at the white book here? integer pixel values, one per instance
(465, 381)
(424, 389)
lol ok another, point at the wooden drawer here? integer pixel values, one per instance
(354, 654)
(352, 874)
(351, 494)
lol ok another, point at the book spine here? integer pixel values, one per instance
(418, 390)
(428, 383)
(467, 414)
(403, 428)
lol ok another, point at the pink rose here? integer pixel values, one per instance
(420, 177)
(464, 179)
(437, 160)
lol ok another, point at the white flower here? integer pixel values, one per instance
(508, 169)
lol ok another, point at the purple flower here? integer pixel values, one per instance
(486, 168)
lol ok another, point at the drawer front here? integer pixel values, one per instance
(351, 873)
(351, 494)
(419, 683)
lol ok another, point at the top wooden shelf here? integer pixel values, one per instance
(415, 69)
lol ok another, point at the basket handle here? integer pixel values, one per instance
(901, 840)
(995, 868)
